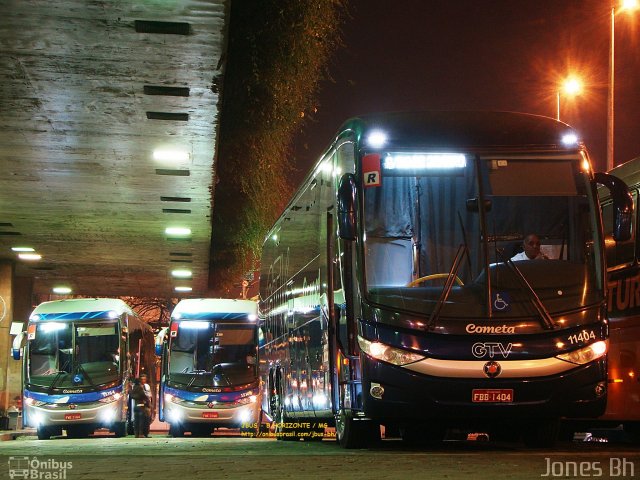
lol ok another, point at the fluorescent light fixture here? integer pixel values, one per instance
(183, 289)
(62, 290)
(570, 139)
(194, 324)
(177, 231)
(181, 273)
(425, 161)
(171, 155)
(377, 139)
(29, 256)
(22, 249)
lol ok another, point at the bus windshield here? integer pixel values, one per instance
(451, 238)
(74, 354)
(209, 353)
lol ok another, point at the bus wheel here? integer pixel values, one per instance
(352, 433)
(120, 429)
(44, 433)
(541, 434)
(176, 430)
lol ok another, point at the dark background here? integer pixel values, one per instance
(486, 55)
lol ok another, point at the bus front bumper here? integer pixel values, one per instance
(231, 417)
(409, 396)
(59, 414)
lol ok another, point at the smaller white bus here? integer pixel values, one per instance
(209, 373)
(79, 358)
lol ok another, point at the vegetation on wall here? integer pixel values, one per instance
(278, 52)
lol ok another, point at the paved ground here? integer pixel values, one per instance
(232, 456)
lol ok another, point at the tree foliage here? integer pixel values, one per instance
(278, 52)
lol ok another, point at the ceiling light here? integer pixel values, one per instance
(61, 290)
(181, 273)
(183, 289)
(177, 231)
(22, 249)
(166, 155)
(29, 256)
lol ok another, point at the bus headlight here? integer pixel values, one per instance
(174, 416)
(37, 419)
(244, 416)
(108, 415)
(586, 354)
(387, 353)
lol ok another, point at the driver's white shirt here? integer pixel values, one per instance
(523, 256)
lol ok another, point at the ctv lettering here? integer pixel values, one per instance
(490, 349)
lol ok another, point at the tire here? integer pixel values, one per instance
(542, 434)
(44, 433)
(176, 430)
(352, 433)
(120, 429)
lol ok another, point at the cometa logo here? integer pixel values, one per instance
(473, 328)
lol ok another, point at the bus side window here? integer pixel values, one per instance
(618, 253)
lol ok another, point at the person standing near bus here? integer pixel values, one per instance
(142, 406)
(531, 245)
(147, 417)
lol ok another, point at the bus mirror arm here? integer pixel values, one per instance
(346, 198)
(622, 205)
(16, 350)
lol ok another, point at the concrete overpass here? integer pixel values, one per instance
(107, 139)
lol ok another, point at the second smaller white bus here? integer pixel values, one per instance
(209, 366)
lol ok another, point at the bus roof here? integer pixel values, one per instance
(629, 172)
(214, 305)
(83, 305)
(465, 129)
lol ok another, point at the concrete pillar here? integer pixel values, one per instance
(15, 306)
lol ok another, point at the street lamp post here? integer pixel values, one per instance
(627, 5)
(610, 99)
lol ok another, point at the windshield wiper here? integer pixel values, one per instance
(448, 285)
(545, 317)
(59, 375)
(80, 368)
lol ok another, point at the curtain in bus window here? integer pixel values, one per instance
(426, 211)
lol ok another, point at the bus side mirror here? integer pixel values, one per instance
(622, 205)
(347, 207)
(160, 340)
(16, 348)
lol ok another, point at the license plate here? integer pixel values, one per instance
(72, 416)
(498, 395)
(209, 414)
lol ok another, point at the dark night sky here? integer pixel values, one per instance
(486, 55)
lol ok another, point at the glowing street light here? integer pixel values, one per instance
(571, 87)
(625, 6)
